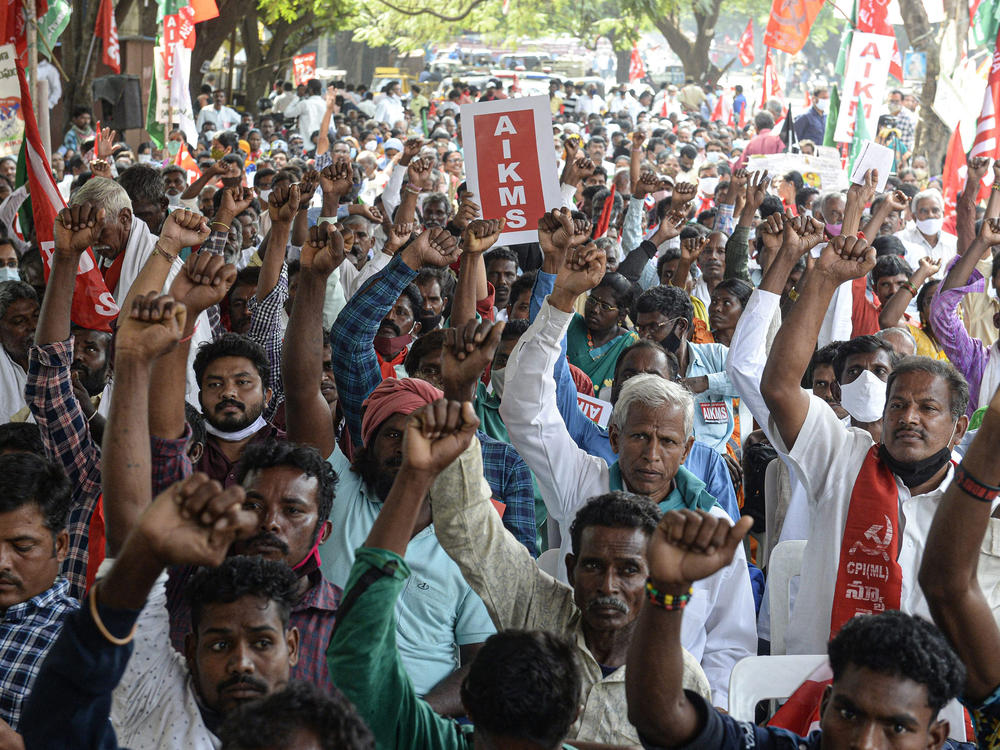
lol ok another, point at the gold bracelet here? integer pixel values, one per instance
(100, 625)
(157, 250)
(220, 224)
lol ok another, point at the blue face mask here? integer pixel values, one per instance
(354, 152)
(9, 274)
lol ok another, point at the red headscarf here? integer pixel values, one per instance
(395, 396)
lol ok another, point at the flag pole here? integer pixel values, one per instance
(32, 37)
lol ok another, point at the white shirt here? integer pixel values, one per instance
(917, 247)
(221, 119)
(389, 109)
(154, 706)
(827, 457)
(719, 625)
(13, 378)
(310, 112)
(48, 71)
(284, 100)
(589, 105)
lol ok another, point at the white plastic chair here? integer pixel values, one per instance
(760, 678)
(548, 561)
(785, 564)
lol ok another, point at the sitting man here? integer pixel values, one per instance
(651, 431)
(892, 672)
(524, 688)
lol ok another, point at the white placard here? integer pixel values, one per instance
(873, 156)
(865, 82)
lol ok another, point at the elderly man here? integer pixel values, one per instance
(925, 239)
(18, 318)
(871, 503)
(652, 433)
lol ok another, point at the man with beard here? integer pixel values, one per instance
(501, 272)
(436, 210)
(18, 317)
(175, 181)
(664, 314)
(651, 433)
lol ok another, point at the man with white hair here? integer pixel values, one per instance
(924, 238)
(651, 431)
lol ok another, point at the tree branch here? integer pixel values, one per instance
(421, 11)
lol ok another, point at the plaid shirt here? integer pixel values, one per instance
(27, 632)
(67, 440)
(357, 372)
(265, 329)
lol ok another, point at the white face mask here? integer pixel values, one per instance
(930, 226)
(173, 200)
(496, 379)
(707, 185)
(713, 157)
(9, 274)
(864, 399)
(264, 195)
(823, 105)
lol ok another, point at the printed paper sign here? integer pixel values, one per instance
(865, 81)
(595, 409)
(510, 163)
(873, 156)
(304, 67)
(823, 172)
(11, 116)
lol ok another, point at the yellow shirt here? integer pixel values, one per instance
(926, 347)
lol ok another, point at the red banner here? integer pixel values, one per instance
(93, 305)
(746, 45)
(953, 178)
(107, 29)
(304, 67)
(636, 70)
(789, 25)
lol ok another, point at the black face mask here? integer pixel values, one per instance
(916, 473)
(671, 343)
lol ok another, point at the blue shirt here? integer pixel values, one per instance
(811, 125)
(437, 611)
(704, 462)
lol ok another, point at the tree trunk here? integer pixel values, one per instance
(74, 58)
(212, 34)
(693, 54)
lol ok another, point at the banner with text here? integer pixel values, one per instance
(11, 116)
(865, 80)
(510, 163)
(304, 67)
(595, 409)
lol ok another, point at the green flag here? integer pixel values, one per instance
(155, 129)
(52, 25)
(24, 213)
(831, 116)
(845, 41)
(985, 22)
(168, 8)
(860, 136)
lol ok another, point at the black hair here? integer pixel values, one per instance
(526, 281)
(794, 177)
(77, 111)
(618, 510)
(232, 345)
(738, 288)
(622, 289)
(416, 299)
(926, 291)
(804, 194)
(431, 341)
(197, 422)
(228, 139)
(688, 151)
(648, 344)
(270, 453)
(889, 265)
(668, 255)
(21, 437)
(888, 244)
(770, 205)
(669, 301)
(825, 355)
(860, 345)
(525, 685)
(500, 253)
(241, 576)
(444, 278)
(30, 478)
(275, 720)
(958, 386)
(143, 182)
(901, 645)
(263, 172)
(12, 291)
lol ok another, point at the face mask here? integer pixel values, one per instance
(929, 226)
(173, 147)
(807, 213)
(430, 322)
(699, 142)
(823, 105)
(354, 152)
(894, 107)
(713, 156)
(497, 375)
(371, 146)
(9, 274)
(707, 185)
(864, 399)
(387, 346)
(218, 153)
(265, 194)
(833, 229)
(145, 159)
(916, 473)
(173, 200)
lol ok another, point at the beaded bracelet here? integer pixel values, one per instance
(972, 486)
(157, 250)
(667, 601)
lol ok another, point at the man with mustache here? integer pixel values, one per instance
(871, 503)
(18, 318)
(651, 433)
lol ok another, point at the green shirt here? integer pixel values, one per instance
(598, 363)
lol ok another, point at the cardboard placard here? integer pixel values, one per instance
(865, 82)
(304, 67)
(510, 163)
(873, 156)
(595, 409)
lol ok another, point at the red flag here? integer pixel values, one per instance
(789, 24)
(873, 18)
(771, 86)
(953, 178)
(185, 160)
(636, 70)
(204, 10)
(605, 219)
(723, 111)
(987, 141)
(107, 28)
(745, 45)
(12, 27)
(93, 305)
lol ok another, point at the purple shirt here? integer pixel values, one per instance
(968, 355)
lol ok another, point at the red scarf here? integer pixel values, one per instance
(869, 579)
(388, 366)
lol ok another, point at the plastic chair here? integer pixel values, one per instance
(548, 561)
(785, 564)
(760, 678)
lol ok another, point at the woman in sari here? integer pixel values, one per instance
(596, 338)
